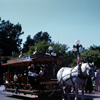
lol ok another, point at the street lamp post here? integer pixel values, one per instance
(78, 49)
(51, 53)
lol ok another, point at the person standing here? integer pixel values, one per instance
(32, 76)
(89, 86)
(10, 77)
(97, 80)
(15, 81)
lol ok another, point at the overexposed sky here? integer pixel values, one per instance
(64, 20)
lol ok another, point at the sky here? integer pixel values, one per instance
(64, 20)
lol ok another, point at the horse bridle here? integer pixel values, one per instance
(84, 77)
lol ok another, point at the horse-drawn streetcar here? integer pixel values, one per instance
(42, 84)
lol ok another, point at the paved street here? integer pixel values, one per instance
(5, 96)
(88, 96)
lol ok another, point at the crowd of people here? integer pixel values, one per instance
(33, 77)
(97, 78)
(18, 77)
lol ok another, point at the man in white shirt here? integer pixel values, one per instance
(15, 81)
(31, 76)
(97, 80)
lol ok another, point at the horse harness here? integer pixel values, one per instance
(80, 76)
(63, 82)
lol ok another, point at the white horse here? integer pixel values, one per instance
(68, 77)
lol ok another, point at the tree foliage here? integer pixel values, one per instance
(41, 46)
(39, 37)
(29, 42)
(91, 55)
(10, 44)
(61, 50)
(10, 37)
(42, 36)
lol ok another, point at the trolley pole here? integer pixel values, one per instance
(77, 49)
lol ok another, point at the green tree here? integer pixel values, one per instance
(29, 42)
(42, 36)
(41, 46)
(10, 37)
(94, 47)
(70, 57)
(91, 56)
(59, 49)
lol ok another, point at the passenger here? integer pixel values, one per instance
(10, 77)
(41, 72)
(97, 78)
(3, 78)
(32, 66)
(45, 71)
(15, 81)
(20, 78)
(32, 76)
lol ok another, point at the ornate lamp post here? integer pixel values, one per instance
(78, 49)
(51, 53)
